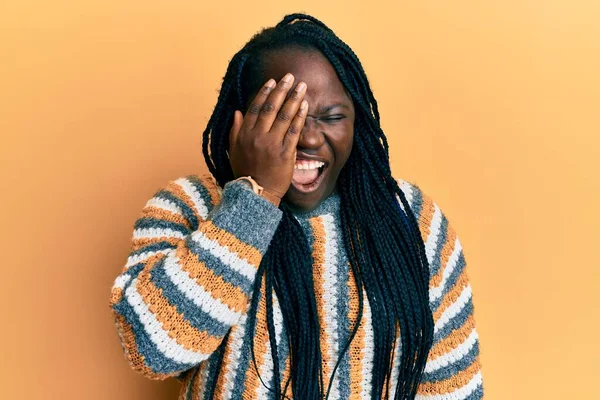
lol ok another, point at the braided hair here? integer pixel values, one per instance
(385, 250)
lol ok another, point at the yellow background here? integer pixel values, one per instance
(492, 107)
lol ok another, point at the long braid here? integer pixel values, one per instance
(382, 239)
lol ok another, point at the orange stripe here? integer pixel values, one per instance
(445, 254)
(235, 245)
(116, 294)
(219, 289)
(451, 384)
(260, 340)
(426, 216)
(140, 243)
(178, 192)
(172, 321)
(356, 346)
(452, 341)
(452, 295)
(286, 375)
(136, 360)
(164, 215)
(318, 255)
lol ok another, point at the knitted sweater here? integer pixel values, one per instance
(188, 280)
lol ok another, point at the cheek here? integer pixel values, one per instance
(342, 144)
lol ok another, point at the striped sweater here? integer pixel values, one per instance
(188, 280)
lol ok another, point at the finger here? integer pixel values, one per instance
(290, 140)
(257, 103)
(273, 103)
(289, 110)
(238, 118)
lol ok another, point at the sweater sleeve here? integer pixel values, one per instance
(188, 278)
(453, 367)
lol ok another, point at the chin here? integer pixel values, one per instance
(301, 205)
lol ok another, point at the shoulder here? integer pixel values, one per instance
(433, 223)
(419, 201)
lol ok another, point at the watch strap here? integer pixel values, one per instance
(259, 189)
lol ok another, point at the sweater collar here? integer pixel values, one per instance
(330, 205)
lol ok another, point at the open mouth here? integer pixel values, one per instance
(307, 180)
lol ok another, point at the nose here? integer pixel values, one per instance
(311, 136)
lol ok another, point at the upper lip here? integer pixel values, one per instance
(303, 156)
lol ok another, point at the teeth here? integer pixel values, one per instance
(309, 165)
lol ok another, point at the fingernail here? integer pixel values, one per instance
(270, 83)
(304, 105)
(300, 87)
(288, 78)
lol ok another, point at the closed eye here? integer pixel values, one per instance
(334, 118)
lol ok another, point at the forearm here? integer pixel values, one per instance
(174, 307)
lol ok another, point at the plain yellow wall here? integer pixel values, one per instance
(491, 107)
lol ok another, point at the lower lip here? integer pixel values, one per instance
(311, 187)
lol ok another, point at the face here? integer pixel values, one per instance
(328, 133)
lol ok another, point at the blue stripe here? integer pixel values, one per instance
(188, 213)
(455, 323)
(343, 310)
(440, 241)
(416, 203)
(212, 373)
(153, 358)
(155, 223)
(157, 246)
(252, 219)
(454, 368)
(219, 268)
(133, 271)
(198, 318)
(450, 282)
(201, 184)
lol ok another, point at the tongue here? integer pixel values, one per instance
(305, 176)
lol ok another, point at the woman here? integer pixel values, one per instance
(299, 268)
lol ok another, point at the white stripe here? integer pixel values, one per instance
(121, 281)
(165, 344)
(454, 309)
(367, 351)
(226, 256)
(458, 394)
(455, 355)
(437, 292)
(330, 297)
(155, 233)
(407, 189)
(164, 204)
(231, 366)
(193, 194)
(138, 258)
(434, 232)
(198, 294)
(266, 370)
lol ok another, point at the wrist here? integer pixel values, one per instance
(259, 190)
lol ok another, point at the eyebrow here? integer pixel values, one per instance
(326, 109)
